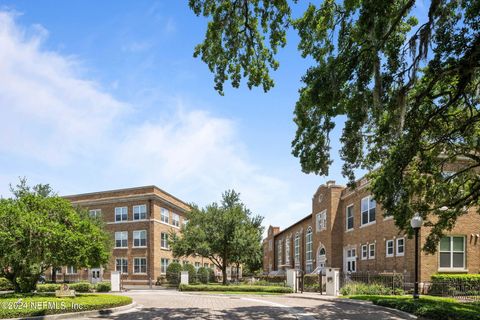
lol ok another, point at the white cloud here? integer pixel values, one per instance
(53, 117)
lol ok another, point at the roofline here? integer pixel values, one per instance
(292, 225)
(126, 189)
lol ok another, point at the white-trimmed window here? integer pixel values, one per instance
(197, 265)
(297, 250)
(95, 213)
(389, 248)
(121, 239)
(287, 251)
(400, 247)
(121, 265)
(175, 220)
(140, 238)
(205, 265)
(371, 251)
(140, 212)
(349, 218)
(308, 251)
(121, 214)
(139, 265)
(364, 252)
(279, 253)
(452, 252)
(164, 215)
(71, 270)
(164, 240)
(321, 220)
(164, 265)
(351, 261)
(368, 206)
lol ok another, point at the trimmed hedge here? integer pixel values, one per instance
(103, 287)
(238, 288)
(449, 284)
(48, 287)
(192, 273)
(173, 272)
(81, 286)
(360, 288)
(429, 307)
(5, 284)
(203, 275)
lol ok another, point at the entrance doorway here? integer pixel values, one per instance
(95, 275)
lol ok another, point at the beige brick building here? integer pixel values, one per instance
(140, 221)
(346, 229)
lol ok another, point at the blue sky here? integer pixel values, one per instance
(99, 95)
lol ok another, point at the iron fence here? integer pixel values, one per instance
(462, 290)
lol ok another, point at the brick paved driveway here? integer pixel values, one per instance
(169, 304)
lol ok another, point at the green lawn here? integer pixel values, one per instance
(20, 305)
(428, 306)
(252, 289)
(240, 292)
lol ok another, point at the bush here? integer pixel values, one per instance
(192, 273)
(203, 275)
(360, 288)
(274, 279)
(173, 273)
(213, 278)
(48, 287)
(310, 280)
(235, 288)
(103, 287)
(81, 286)
(5, 284)
(449, 284)
(161, 280)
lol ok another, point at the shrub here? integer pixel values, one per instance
(310, 280)
(449, 284)
(274, 279)
(359, 288)
(103, 287)
(213, 278)
(203, 275)
(5, 284)
(48, 287)
(173, 272)
(192, 273)
(235, 288)
(161, 280)
(81, 287)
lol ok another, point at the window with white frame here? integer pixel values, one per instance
(297, 250)
(349, 218)
(452, 252)
(164, 265)
(164, 240)
(71, 270)
(368, 206)
(351, 260)
(321, 220)
(287, 251)
(95, 213)
(139, 265)
(197, 265)
(279, 253)
(121, 214)
(364, 252)
(389, 248)
(164, 215)
(121, 265)
(400, 246)
(371, 251)
(140, 212)
(308, 251)
(205, 265)
(175, 220)
(140, 238)
(121, 239)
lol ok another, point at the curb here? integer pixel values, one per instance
(75, 315)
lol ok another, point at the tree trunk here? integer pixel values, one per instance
(54, 274)
(224, 274)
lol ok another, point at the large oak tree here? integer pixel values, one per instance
(406, 79)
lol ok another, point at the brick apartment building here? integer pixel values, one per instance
(347, 229)
(140, 220)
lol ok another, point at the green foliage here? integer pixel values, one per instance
(278, 279)
(235, 288)
(81, 286)
(428, 307)
(360, 288)
(173, 272)
(5, 284)
(408, 92)
(103, 287)
(192, 273)
(40, 230)
(48, 287)
(203, 275)
(455, 284)
(87, 301)
(226, 234)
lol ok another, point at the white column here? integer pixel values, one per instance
(333, 281)
(292, 279)
(115, 280)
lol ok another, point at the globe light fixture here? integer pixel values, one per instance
(416, 223)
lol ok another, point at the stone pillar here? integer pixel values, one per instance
(115, 281)
(333, 281)
(184, 277)
(292, 279)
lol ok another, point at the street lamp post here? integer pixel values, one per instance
(416, 224)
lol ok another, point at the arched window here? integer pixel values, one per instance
(287, 251)
(297, 251)
(308, 251)
(322, 258)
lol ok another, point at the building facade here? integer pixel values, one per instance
(347, 229)
(140, 221)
